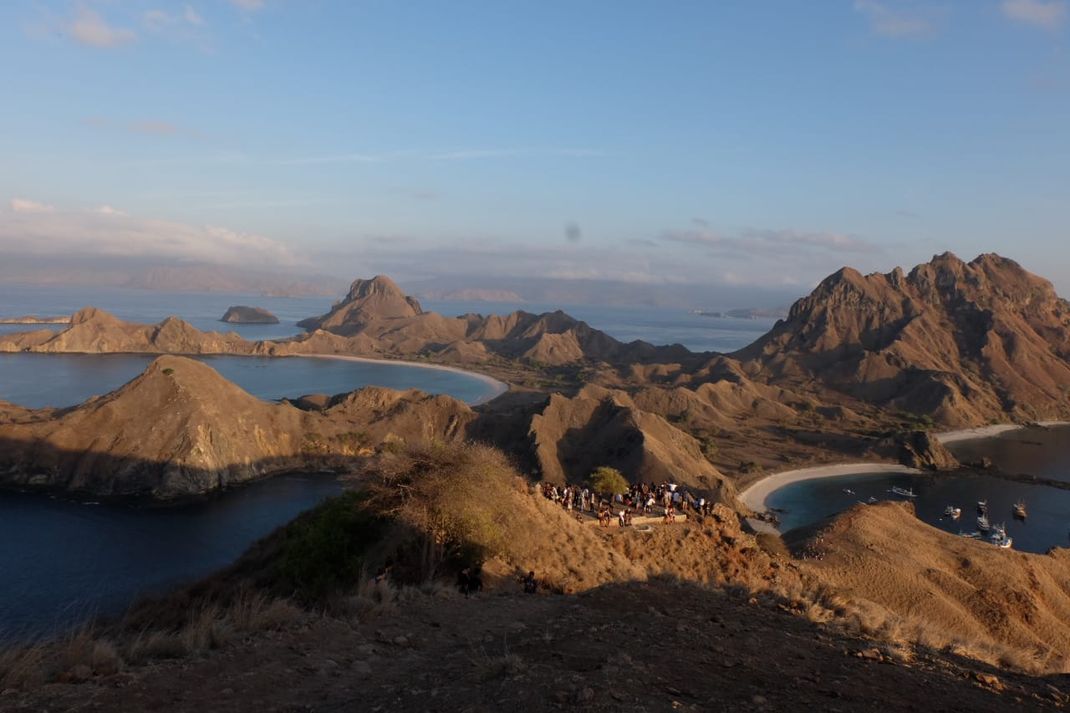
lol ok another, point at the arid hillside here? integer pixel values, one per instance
(181, 429)
(965, 343)
(1006, 607)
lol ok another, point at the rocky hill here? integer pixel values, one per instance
(181, 429)
(963, 342)
(94, 331)
(377, 317)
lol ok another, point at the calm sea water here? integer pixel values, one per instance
(39, 380)
(658, 326)
(62, 562)
(1047, 526)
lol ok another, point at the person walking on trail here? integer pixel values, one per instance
(530, 584)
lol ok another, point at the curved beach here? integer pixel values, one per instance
(499, 387)
(755, 496)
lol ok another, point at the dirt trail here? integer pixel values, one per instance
(655, 646)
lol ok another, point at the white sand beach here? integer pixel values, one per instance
(499, 387)
(755, 496)
(967, 434)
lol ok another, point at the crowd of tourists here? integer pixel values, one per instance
(645, 499)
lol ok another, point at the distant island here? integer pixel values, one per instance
(240, 314)
(747, 313)
(32, 319)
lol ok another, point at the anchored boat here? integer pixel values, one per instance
(905, 492)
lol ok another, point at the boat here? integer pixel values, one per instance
(983, 524)
(848, 491)
(1001, 539)
(952, 512)
(872, 499)
(982, 507)
(905, 492)
(971, 535)
(1019, 510)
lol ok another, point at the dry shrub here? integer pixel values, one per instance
(252, 612)
(455, 498)
(206, 630)
(23, 667)
(154, 645)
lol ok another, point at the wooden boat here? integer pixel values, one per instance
(1019, 510)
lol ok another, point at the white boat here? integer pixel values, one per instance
(982, 507)
(983, 524)
(871, 500)
(952, 512)
(848, 491)
(905, 492)
(1001, 539)
(1019, 510)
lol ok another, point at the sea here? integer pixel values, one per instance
(63, 561)
(1042, 453)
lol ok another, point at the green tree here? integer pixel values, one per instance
(608, 480)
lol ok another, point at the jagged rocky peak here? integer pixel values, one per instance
(367, 301)
(385, 292)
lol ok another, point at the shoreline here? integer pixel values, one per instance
(757, 493)
(499, 387)
(755, 496)
(969, 434)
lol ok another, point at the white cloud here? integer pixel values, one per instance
(1046, 14)
(89, 28)
(890, 18)
(36, 229)
(766, 242)
(22, 205)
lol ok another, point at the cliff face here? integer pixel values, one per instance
(963, 342)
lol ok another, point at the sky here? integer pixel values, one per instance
(751, 143)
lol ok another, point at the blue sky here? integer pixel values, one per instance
(749, 142)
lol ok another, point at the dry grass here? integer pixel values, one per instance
(87, 652)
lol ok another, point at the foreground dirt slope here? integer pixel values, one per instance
(655, 646)
(949, 590)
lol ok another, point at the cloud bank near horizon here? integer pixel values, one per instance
(33, 228)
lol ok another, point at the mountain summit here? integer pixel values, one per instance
(367, 301)
(964, 342)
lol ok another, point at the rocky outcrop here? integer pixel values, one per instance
(917, 449)
(961, 342)
(240, 314)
